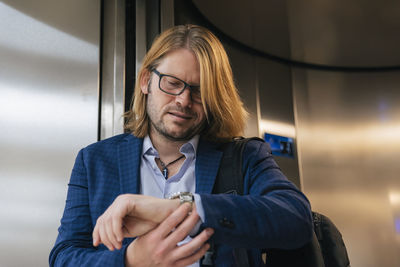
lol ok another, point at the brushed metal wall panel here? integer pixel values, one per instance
(345, 33)
(348, 127)
(49, 67)
(348, 124)
(112, 100)
(260, 24)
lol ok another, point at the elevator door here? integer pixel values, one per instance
(49, 67)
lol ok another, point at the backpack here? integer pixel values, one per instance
(326, 249)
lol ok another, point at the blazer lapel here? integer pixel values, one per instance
(207, 164)
(129, 152)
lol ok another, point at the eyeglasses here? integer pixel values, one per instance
(174, 86)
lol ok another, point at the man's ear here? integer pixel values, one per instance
(144, 82)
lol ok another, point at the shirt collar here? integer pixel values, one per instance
(186, 148)
(148, 148)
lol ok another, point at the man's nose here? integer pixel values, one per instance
(184, 99)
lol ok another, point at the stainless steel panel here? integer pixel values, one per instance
(348, 124)
(348, 127)
(151, 16)
(260, 24)
(276, 105)
(113, 69)
(48, 111)
(167, 14)
(348, 33)
(141, 40)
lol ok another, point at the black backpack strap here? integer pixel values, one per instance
(230, 178)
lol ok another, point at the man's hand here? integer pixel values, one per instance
(159, 246)
(130, 216)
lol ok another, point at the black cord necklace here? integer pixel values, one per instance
(164, 166)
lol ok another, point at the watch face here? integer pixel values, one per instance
(187, 198)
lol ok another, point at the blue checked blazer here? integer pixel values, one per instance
(272, 213)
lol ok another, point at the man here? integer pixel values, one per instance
(185, 106)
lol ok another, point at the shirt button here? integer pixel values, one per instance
(226, 223)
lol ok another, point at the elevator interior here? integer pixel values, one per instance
(66, 75)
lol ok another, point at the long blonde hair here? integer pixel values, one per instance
(221, 102)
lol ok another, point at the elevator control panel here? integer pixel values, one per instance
(280, 145)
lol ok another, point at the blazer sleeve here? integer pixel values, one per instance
(272, 213)
(73, 246)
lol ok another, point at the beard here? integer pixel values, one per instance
(158, 125)
(186, 135)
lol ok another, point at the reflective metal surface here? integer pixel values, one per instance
(48, 111)
(113, 69)
(260, 24)
(348, 124)
(348, 128)
(348, 33)
(151, 16)
(166, 14)
(141, 40)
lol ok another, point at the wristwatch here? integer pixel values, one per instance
(183, 197)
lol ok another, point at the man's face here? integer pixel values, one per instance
(177, 118)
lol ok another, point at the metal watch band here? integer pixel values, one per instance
(183, 197)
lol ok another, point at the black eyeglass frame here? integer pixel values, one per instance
(160, 75)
